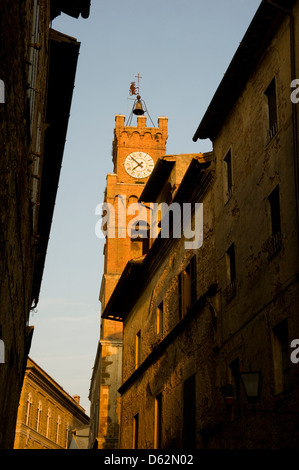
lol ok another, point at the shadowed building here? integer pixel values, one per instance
(157, 298)
(202, 326)
(37, 71)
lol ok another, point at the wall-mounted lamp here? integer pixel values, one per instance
(252, 385)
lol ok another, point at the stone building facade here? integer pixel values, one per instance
(162, 334)
(48, 417)
(255, 142)
(37, 73)
(198, 322)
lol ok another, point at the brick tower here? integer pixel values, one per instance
(135, 151)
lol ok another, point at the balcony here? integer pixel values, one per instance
(230, 291)
(273, 131)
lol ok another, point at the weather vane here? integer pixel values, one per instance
(139, 106)
(133, 89)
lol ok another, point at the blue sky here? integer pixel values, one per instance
(181, 49)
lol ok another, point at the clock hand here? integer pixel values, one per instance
(134, 160)
(139, 164)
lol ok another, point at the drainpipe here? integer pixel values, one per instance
(294, 111)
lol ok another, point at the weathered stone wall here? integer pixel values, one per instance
(19, 133)
(232, 333)
(258, 165)
(266, 287)
(188, 353)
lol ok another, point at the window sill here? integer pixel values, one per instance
(272, 133)
(230, 291)
(228, 196)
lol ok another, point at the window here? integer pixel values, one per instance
(230, 290)
(189, 414)
(160, 318)
(135, 431)
(2, 92)
(28, 409)
(187, 287)
(58, 424)
(158, 421)
(234, 370)
(272, 108)
(275, 211)
(274, 243)
(281, 358)
(231, 263)
(38, 420)
(48, 423)
(138, 349)
(2, 348)
(67, 435)
(228, 174)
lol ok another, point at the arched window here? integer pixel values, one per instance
(39, 412)
(133, 199)
(67, 436)
(58, 429)
(49, 416)
(28, 409)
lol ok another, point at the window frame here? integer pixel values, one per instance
(135, 431)
(187, 280)
(38, 418)
(275, 212)
(228, 174)
(159, 318)
(231, 273)
(158, 422)
(281, 358)
(49, 417)
(231, 259)
(271, 97)
(138, 349)
(28, 408)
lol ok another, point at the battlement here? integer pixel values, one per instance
(141, 124)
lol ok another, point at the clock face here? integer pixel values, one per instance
(139, 164)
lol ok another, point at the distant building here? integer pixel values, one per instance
(206, 359)
(80, 438)
(48, 418)
(37, 72)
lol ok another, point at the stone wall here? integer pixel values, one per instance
(248, 322)
(21, 130)
(173, 354)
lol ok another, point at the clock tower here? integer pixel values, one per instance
(135, 150)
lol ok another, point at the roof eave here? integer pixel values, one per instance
(73, 8)
(62, 72)
(258, 35)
